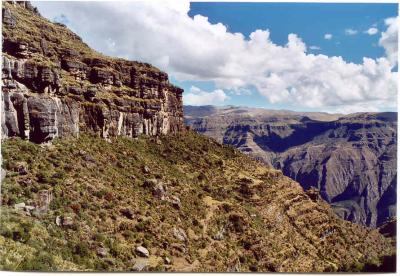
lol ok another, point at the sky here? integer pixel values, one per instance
(298, 56)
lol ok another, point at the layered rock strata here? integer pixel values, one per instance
(54, 85)
(350, 159)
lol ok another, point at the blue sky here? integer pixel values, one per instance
(298, 56)
(311, 21)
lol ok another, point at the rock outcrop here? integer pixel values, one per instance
(54, 85)
(350, 159)
(169, 203)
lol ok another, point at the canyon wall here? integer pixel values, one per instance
(350, 159)
(54, 85)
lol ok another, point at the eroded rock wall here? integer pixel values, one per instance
(351, 160)
(53, 90)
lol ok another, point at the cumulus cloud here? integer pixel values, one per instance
(196, 96)
(364, 107)
(371, 31)
(313, 47)
(195, 49)
(350, 31)
(328, 36)
(389, 39)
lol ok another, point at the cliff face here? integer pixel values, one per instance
(351, 159)
(54, 85)
(171, 203)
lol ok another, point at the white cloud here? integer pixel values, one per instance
(389, 39)
(195, 49)
(353, 108)
(313, 47)
(111, 45)
(196, 96)
(328, 36)
(371, 31)
(350, 31)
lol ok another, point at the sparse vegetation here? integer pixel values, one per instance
(101, 187)
(171, 203)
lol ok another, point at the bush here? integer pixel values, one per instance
(115, 249)
(82, 250)
(44, 176)
(40, 262)
(141, 226)
(19, 232)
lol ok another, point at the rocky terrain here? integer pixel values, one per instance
(180, 202)
(54, 85)
(79, 194)
(350, 159)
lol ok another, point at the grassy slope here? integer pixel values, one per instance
(270, 224)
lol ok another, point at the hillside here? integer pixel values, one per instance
(195, 205)
(102, 175)
(350, 159)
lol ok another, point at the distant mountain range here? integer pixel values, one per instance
(351, 159)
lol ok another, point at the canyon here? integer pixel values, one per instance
(99, 173)
(350, 159)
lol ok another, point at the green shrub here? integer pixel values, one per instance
(40, 262)
(82, 249)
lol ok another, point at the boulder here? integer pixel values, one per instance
(67, 221)
(19, 206)
(101, 251)
(146, 169)
(180, 234)
(141, 265)
(142, 251)
(159, 191)
(150, 183)
(220, 234)
(22, 168)
(58, 220)
(128, 213)
(176, 202)
(64, 221)
(29, 208)
(179, 247)
(167, 261)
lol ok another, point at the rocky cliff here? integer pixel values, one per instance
(54, 85)
(176, 202)
(350, 159)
